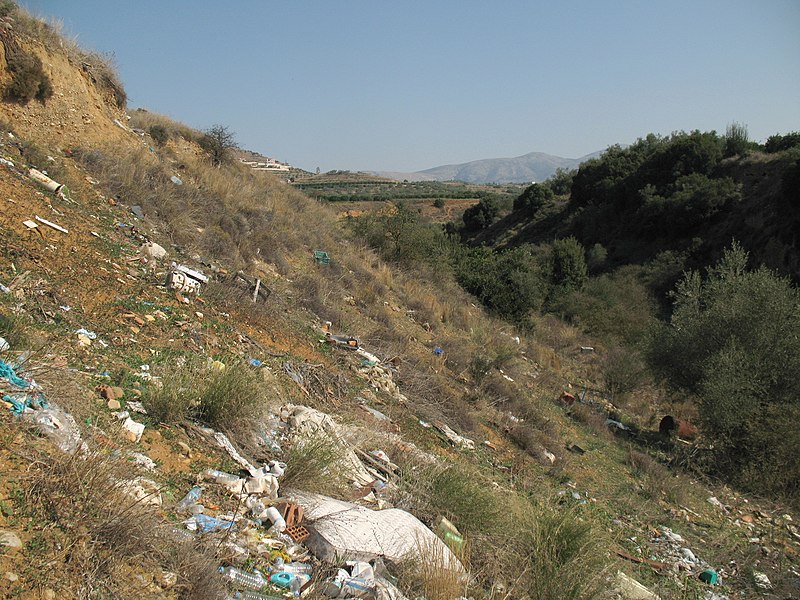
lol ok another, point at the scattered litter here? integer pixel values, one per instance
(85, 332)
(375, 413)
(449, 534)
(586, 349)
(176, 180)
(207, 524)
(154, 251)
(709, 576)
(191, 497)
(4, 345)
(136, 407)
(184, 279)
(57, 425)
(30, 224)
(51, 224)
(9, 539)
(321, 257)
(576, 449)
(455, 439)
(45, 181)
(618, 425)
(713, 501)
(133, 429)
(438, 351)
(143, 490)
(762, 581)
(254, 362)
(144, 461)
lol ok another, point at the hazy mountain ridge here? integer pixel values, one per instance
(534, 166)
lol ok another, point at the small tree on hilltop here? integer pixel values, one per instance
(218, 141)
(736, 139)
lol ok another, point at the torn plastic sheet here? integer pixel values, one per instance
(224, 443)
(206, 524)
(57, 425)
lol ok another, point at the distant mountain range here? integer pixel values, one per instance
(535, 166)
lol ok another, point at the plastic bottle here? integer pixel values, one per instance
(298, 568)
(250, 595)
(243, 579)
(294, 587)
(191, 498)
(220, 477)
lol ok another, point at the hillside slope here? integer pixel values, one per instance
(547, 497)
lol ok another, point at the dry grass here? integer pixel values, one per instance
(231, 399)
(656, 480)
(425, 573)
(108, 538)
(145, 120)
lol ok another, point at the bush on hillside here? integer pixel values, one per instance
(510, 283)
(403, 237)
(219, 142)
(561, 181)
(737, 141)
(569, 265)
(685, 205)
(28, 79)
(533, 198)
(779, 143)
(159, 134)
(481, 215)
(734, 342)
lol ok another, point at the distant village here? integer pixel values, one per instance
(267, 164)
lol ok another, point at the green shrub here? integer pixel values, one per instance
(736, 139)
(481, 215)
(510, 283)
(734, 342)
(569, 264)
(533, 198)
(314, 464)
(779, 143)
(565, 555)
(230, 399)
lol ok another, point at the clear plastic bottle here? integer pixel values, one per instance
(250, 595)
(243, 579)
(191, 498)
(294, 587)
(298, 568)
(220, 477)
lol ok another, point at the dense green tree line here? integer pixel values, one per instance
(726, 337)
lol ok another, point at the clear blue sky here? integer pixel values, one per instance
(374, 85)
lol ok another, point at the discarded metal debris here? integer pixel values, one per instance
(680, 427)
